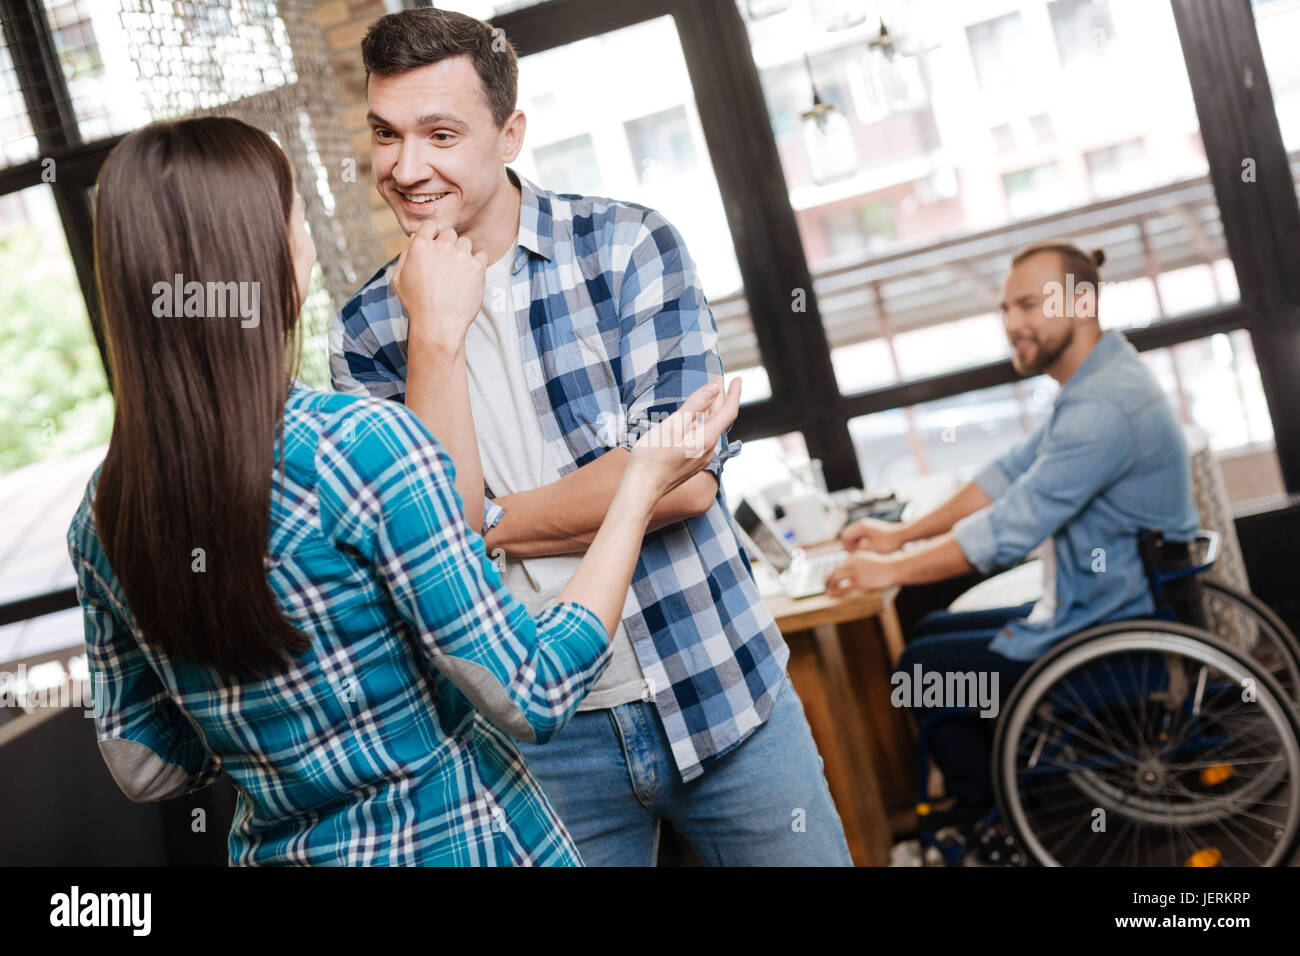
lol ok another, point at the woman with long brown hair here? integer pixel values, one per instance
(280, 583)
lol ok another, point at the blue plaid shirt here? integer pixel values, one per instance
(386, 742)
(615, 332)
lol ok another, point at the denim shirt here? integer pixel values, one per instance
(1110, 462)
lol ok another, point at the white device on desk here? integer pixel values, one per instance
(800, 574)
(766, 577)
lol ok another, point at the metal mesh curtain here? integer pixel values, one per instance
(265, 63)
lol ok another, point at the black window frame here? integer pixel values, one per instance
(1238, 120)
(30, 40)
(1261, 219)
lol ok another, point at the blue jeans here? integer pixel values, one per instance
(962, 745)
(611, 776)
(949, 622)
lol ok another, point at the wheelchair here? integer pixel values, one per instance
(1172, 740)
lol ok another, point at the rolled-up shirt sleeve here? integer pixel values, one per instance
(997, 476)
(1087, 445)
(670, 338)
(387, 490)
(492, 514)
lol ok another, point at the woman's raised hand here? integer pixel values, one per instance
(682, 444)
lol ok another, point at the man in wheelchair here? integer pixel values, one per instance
(1110, 462)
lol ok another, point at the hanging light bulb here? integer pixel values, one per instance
(902, 29)
(883, 41)
(827, 137)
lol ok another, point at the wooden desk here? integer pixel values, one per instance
(842, 654)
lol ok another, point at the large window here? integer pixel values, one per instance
(54, 390)
(996, 128)
(851, 198)
(1279, 32)
(640, 142)
(74, 75)
(996, 46)
(1080, 27)
(1020, 122)
(120, 66)
(1212, 384)
(915, 162)
(19, 143)
(569, 166)
(1279, 35)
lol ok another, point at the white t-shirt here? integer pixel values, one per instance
(516, 458)
(1044, 611)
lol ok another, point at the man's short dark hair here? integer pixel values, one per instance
(399, 42)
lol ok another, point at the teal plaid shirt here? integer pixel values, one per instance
(388, 741)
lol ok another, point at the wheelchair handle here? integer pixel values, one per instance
(1212, 541)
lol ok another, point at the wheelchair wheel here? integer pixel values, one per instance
(1248, 624)
(1149, 743)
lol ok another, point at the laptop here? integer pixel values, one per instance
(800, 575)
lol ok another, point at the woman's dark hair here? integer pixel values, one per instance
(184, 495)
(404, 41)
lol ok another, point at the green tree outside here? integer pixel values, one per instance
(55, 393)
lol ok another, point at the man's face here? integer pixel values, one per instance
(435, 149)
(1039, 325)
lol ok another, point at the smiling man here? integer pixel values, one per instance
(593, 319)
(1110, 462)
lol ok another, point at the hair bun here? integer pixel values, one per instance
(1098, 257)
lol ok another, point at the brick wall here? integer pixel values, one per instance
(344, 23)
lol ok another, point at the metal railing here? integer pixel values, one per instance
(1145, 234)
